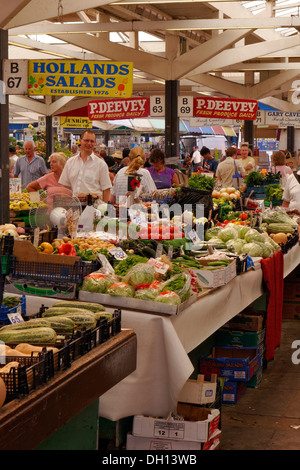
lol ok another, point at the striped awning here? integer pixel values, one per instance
(229, 131)
(218, 130)
(207, 130)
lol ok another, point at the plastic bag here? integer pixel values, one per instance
(122, 289)
(168, 297)
(141, 273)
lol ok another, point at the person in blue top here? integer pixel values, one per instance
(209, 162)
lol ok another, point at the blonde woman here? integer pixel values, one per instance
(49, 182)
(137, 159)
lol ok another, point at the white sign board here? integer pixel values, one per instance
(157, 106)
(15, 76)
(42, 122)
(282, 119)
(15, 185)
(185, 106)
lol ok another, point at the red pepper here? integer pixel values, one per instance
(66, 249)
(243, 216)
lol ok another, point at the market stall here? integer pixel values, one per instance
(174, 289)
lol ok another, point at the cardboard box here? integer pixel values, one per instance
(233, 391)
(234, 363)
(255, 380)
(198, 391)
(215, 278)
(149, 443)
(226, 337)
(198, 424)
(246, 322)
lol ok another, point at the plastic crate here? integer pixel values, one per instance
(6, 245)
(32, 372)
(51, 271)
(21, 307)
(191, 196)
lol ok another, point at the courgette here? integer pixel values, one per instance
(83, 320)
(37, 335)
(94, 307)
(53, 311)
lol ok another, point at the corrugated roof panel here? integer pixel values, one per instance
(229, 131)
(207, 130)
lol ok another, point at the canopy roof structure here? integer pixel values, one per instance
(237, 49)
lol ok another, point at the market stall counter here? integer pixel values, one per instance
(163, 344)
(27, 422)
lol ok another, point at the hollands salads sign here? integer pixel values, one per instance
(81, 78)
(225, 108)
(119, 109)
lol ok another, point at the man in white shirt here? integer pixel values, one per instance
(196, 158)
(85, 172)
(247, 161)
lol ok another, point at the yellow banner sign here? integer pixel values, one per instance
(80, 78)
(75, 122)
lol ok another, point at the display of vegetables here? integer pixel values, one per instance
(200, 181)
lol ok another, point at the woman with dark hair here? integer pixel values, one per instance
(162, 176)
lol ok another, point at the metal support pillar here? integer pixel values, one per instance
(49, 137)
(4, 133)
(249, 133)
(290, 142)
(171, 119)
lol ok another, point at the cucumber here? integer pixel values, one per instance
(34, 323)
(37, 335)
(53, 311)
(94, 307)
(82, 320)
(61, 323)
(99, 315)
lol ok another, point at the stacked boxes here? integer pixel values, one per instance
(237, 357)
(194, 425)
(198, 430)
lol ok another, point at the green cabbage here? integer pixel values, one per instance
(254, 236)
(227, 234)
(267, 252)
(168, 297)
(245, 229)
(253, 250)
(96, 283)
(121, 288)
(235, 246)
(141, 273)
(212, 233)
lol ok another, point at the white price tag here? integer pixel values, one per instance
(193, 236)
(138, 217)
(105, 263)
(15, 317)
(118, 253)
(159, 267)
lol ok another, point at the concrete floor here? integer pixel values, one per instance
(268, 417)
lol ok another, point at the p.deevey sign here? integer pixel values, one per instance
(225, 108)
(119, 109)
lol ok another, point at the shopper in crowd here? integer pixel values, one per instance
(85, 173)
(102, 154)
(209, 162)
(247, 160)
(291, 192)
(30, 166)
(125, 161)
(50, 181)
(162, 176)
(230, 172)
(120, 187)
(196, 159)
(279, 166)
(12, 159)
(74, 150)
